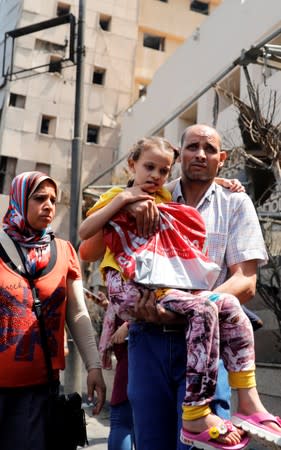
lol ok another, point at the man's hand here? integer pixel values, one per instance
(233, 184)
(95, 382)
(120, 334)
(146, 308)
(147, 216)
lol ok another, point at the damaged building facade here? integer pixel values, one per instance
(125, 42)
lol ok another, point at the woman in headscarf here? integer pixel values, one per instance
(54, 267)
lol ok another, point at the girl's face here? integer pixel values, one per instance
(42, 206)
(152, 168)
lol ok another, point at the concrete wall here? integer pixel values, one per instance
(53, 94)
(173, 21)
(198, 63)
(3, 204)
(10, 12)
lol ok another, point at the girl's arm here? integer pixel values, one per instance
(97, 220)
(93, 248)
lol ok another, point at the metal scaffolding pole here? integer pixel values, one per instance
(73, 372)
(76, 155)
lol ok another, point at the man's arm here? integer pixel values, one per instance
(233, 184)
(242, 284)
(242, 280)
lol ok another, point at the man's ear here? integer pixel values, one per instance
(223, 156)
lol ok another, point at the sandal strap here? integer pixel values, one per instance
(221, 429)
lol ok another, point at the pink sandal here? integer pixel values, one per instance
(206, 439)
(255, 426)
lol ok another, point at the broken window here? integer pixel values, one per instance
(48, 125)
(142, 90)
(17, 100)
(55, 64)
(7, 173)
(99, 75)
(155, 42)
(93, 134)
(63, 9)
(105, 22)
(49, 47)
(199, 7)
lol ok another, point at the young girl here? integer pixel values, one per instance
(216, 322)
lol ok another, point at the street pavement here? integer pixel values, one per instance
(97, 428)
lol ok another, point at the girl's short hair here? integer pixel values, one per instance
(152, 141)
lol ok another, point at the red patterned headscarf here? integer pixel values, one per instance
(15, 220)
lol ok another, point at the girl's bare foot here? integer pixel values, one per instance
(214, 424)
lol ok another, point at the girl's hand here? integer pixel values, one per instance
(144, 209)
(120, 334)
(233, 184)
(136, 194)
